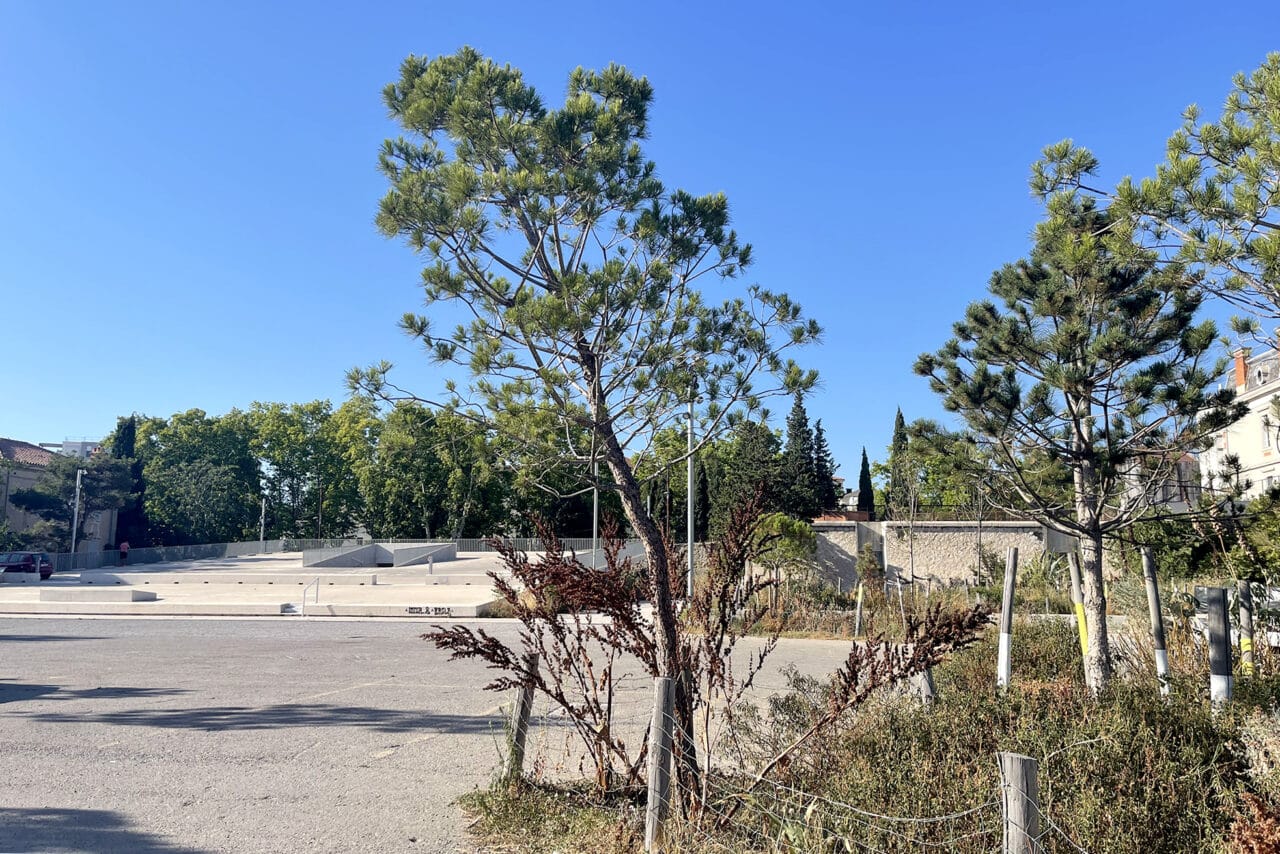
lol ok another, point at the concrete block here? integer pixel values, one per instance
(96, 594)
(20, 577)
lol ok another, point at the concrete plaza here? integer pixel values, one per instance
(266, 585)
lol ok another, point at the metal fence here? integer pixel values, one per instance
(66, 562)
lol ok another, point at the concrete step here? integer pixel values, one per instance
(199, 577)
(96, 594)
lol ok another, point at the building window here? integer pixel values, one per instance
(1266, 433)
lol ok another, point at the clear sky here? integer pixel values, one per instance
(187, 190)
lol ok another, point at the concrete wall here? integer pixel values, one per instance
(839, 544)
(947, 551)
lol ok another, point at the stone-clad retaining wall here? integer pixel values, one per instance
(947, 551)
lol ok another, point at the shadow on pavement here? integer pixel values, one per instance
(16, 692)
(219, 718)
(75, 831)
(43, 638)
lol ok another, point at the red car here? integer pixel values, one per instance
(27, 562)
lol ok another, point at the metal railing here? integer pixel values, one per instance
(316, 584)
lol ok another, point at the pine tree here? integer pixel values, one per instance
(866, 492)
(896, 495)
(824, 468)
(799, 478)
(1095, 364)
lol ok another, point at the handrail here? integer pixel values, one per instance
(315, 583)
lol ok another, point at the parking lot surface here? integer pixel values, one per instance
(270, 735)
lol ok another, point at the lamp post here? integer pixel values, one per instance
(75, 518)
(693, 393)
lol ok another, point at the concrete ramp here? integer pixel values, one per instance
(378, 554)
(422, 555)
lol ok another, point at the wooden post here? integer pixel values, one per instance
(1244, 592)
(520, 722)
(857, 620)
(1157, 620)
(1003, 663)
(1219, 646)
(660, 731)
(1020, 799)
(1077, 599)
(925, 688)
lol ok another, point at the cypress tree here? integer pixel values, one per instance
(824, 467)
(896, 495)
(866, 492)
(799, 478)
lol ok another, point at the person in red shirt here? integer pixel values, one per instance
(124, 552)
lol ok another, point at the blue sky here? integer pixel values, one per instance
(187, 191)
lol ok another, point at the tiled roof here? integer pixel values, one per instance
(24, 453)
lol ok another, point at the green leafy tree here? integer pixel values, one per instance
(1093, 362)
(800, 487)
(104, 487)
(824, 468)
(131, 521)
(578, 273)
(216, 450)
(866, 490)
(751, 463)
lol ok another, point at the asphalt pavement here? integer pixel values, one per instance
(269, 735)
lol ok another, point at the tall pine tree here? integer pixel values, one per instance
(866, 492)
(824, 469)
(799, 477)
(896, 495)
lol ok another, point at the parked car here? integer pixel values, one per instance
(27, 562)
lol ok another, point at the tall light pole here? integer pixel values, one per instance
(693, 392)
(595, 515)
(75, 518)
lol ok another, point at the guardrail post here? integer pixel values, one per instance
(1219, 646)
(660, 731)
(1003, 663)
(1020, 800)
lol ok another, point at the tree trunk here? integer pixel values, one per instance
(1097, 663)
(655, 553)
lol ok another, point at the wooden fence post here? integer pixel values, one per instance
(520, 722)
(1003, 663)
(660, 732)
(1020, 800)
(1077, 599)
(1219, 646)
(925, 688)
(1244, 592)
(1157, 620)
(857, 620)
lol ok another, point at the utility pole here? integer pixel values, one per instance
(75, 518)
(262, 526)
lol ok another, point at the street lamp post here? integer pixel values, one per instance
(75, 518)
(689, 490)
